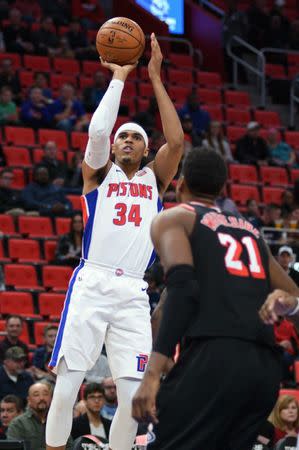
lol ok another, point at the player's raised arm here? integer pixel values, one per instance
(96, 159)
(168, 157)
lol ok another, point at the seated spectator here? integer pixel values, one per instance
(41, 81)
(42, 354)
(110, 395)
(191, 137)
(43, 196)
(286, 336)
(68, 112)
(277, 34)
(77, 38)
(74, 178)
(258, 23)
(265, 436)
(35, 112)
(31, 425)
(285, 417)
(9, 78)
(287, 202)
(281, 153)
(252, 212)
(64, 49)
(45, 39)
(11, 406)
(14, 379)
(14, 329)
(286, 258)
(92, 422)
(57, 169)
(216, 141)
(252, 148)
(10, 199)
(200, 118)
(59, 10)
(92, 95)
(17, 36)
(8, 108)
(271, 214)
(29, 9)
(99, 371)
(69, 247)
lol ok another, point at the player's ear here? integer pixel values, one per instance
(145, 153)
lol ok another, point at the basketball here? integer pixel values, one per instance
(120, 41)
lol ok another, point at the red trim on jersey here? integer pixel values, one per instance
(84, 209)
(188, 207)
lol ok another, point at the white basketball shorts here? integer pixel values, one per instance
(104, 306)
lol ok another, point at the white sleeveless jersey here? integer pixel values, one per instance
(117, 216)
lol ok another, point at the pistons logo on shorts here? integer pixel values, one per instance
(141, 362)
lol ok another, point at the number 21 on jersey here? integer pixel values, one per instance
(232, 259)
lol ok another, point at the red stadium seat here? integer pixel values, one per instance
(19, 179)
(14, 57)
(292, 138)
(179, 93)
(58, 136)
(120, 121)
(3, 258)
(145, 90)
(26, 78)
(178, 76)
(65, 66)
(57, 80)
(24, 250)
(267, 119)
(293, 59)
(56, 277)
(274, 176)
(240, 193)
(294, 177)
(296, 371)
(142, 104)
(209, 79)
(16, 303)
(210, 96)
(35, 226)
(180, 60)
(79, 140)
(291, 392)
(19, 136)
(129, 89)
(235, 133)
(37, 63)
(272, 195)
(143, 74)
(17, 156)
(39, 153)
(243, 173)
(215, 111)
(293, 72)
(237, 99)
(85, 82)
(275, 71)
(39, 331)
(50, 304)
(237, 116)
(75, 201)
(21, 276)
(62, 225)
(50, 249)
(90, 67)
(7, 225)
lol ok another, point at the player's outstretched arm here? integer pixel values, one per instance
(168, 157)
(96, 160)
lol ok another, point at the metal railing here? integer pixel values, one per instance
(284, 235)
(294, 99)
(258, 70)
(191, 50)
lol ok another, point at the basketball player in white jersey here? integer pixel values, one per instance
(106, 299)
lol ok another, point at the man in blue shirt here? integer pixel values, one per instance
(200, 118)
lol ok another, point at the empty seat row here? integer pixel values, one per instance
(15, 302)
(28, 250)
(274, 176)
(34, 226)
(240, 193)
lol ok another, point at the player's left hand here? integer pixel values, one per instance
(278, 303)
(144, 401)
(154, 66)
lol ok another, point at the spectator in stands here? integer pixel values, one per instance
(92, 95)
(42, 354)
(35, 111)
(294, 35)
(17, 36)
(74, 179)
(11, 406)
(252, 148)
(271, 215)
(99, 371)
(110, 396)
(277, 35)
(57, 169)
(10, 199)
(59, 10)
(9, 77)
(43, 196)
(13, 378)
(64, 49)
(200, 118)
(286, 259)
(252, 210)
(31, 425)
(280, 152)
(92, 422)
(45, 39)
(14, 328)
(77, 38)
(216, 141)
(148, 119)
(258, 23)
(70, 245)
(285, 417)
(89, 12)
(287, 337)
(277, 11)
(265, 436)
(8, 108)
(69, 113)
(29, 9)
(191, 137)
(41, 81)
(287, 202)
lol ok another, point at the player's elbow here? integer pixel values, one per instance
(97, 132)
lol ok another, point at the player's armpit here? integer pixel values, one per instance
(93, 178)
(165, 165)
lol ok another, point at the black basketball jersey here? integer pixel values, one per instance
(232, 266)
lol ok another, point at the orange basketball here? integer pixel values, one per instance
(120, 41)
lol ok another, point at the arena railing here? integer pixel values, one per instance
(285, 236)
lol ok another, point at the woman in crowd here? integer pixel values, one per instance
(285, 417)
(69, 245)
(216, 141)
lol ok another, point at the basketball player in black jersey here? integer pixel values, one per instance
(219, 273)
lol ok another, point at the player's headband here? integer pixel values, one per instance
(131, 126)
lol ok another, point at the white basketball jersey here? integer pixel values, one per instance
(117, 217)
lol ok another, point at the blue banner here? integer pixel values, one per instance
(169, 11)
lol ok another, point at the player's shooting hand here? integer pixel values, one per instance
(119, 72)
(278, 303)
(144, 401)
(154, 66)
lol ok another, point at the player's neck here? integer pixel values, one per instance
(205, 200)
(128, 169)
